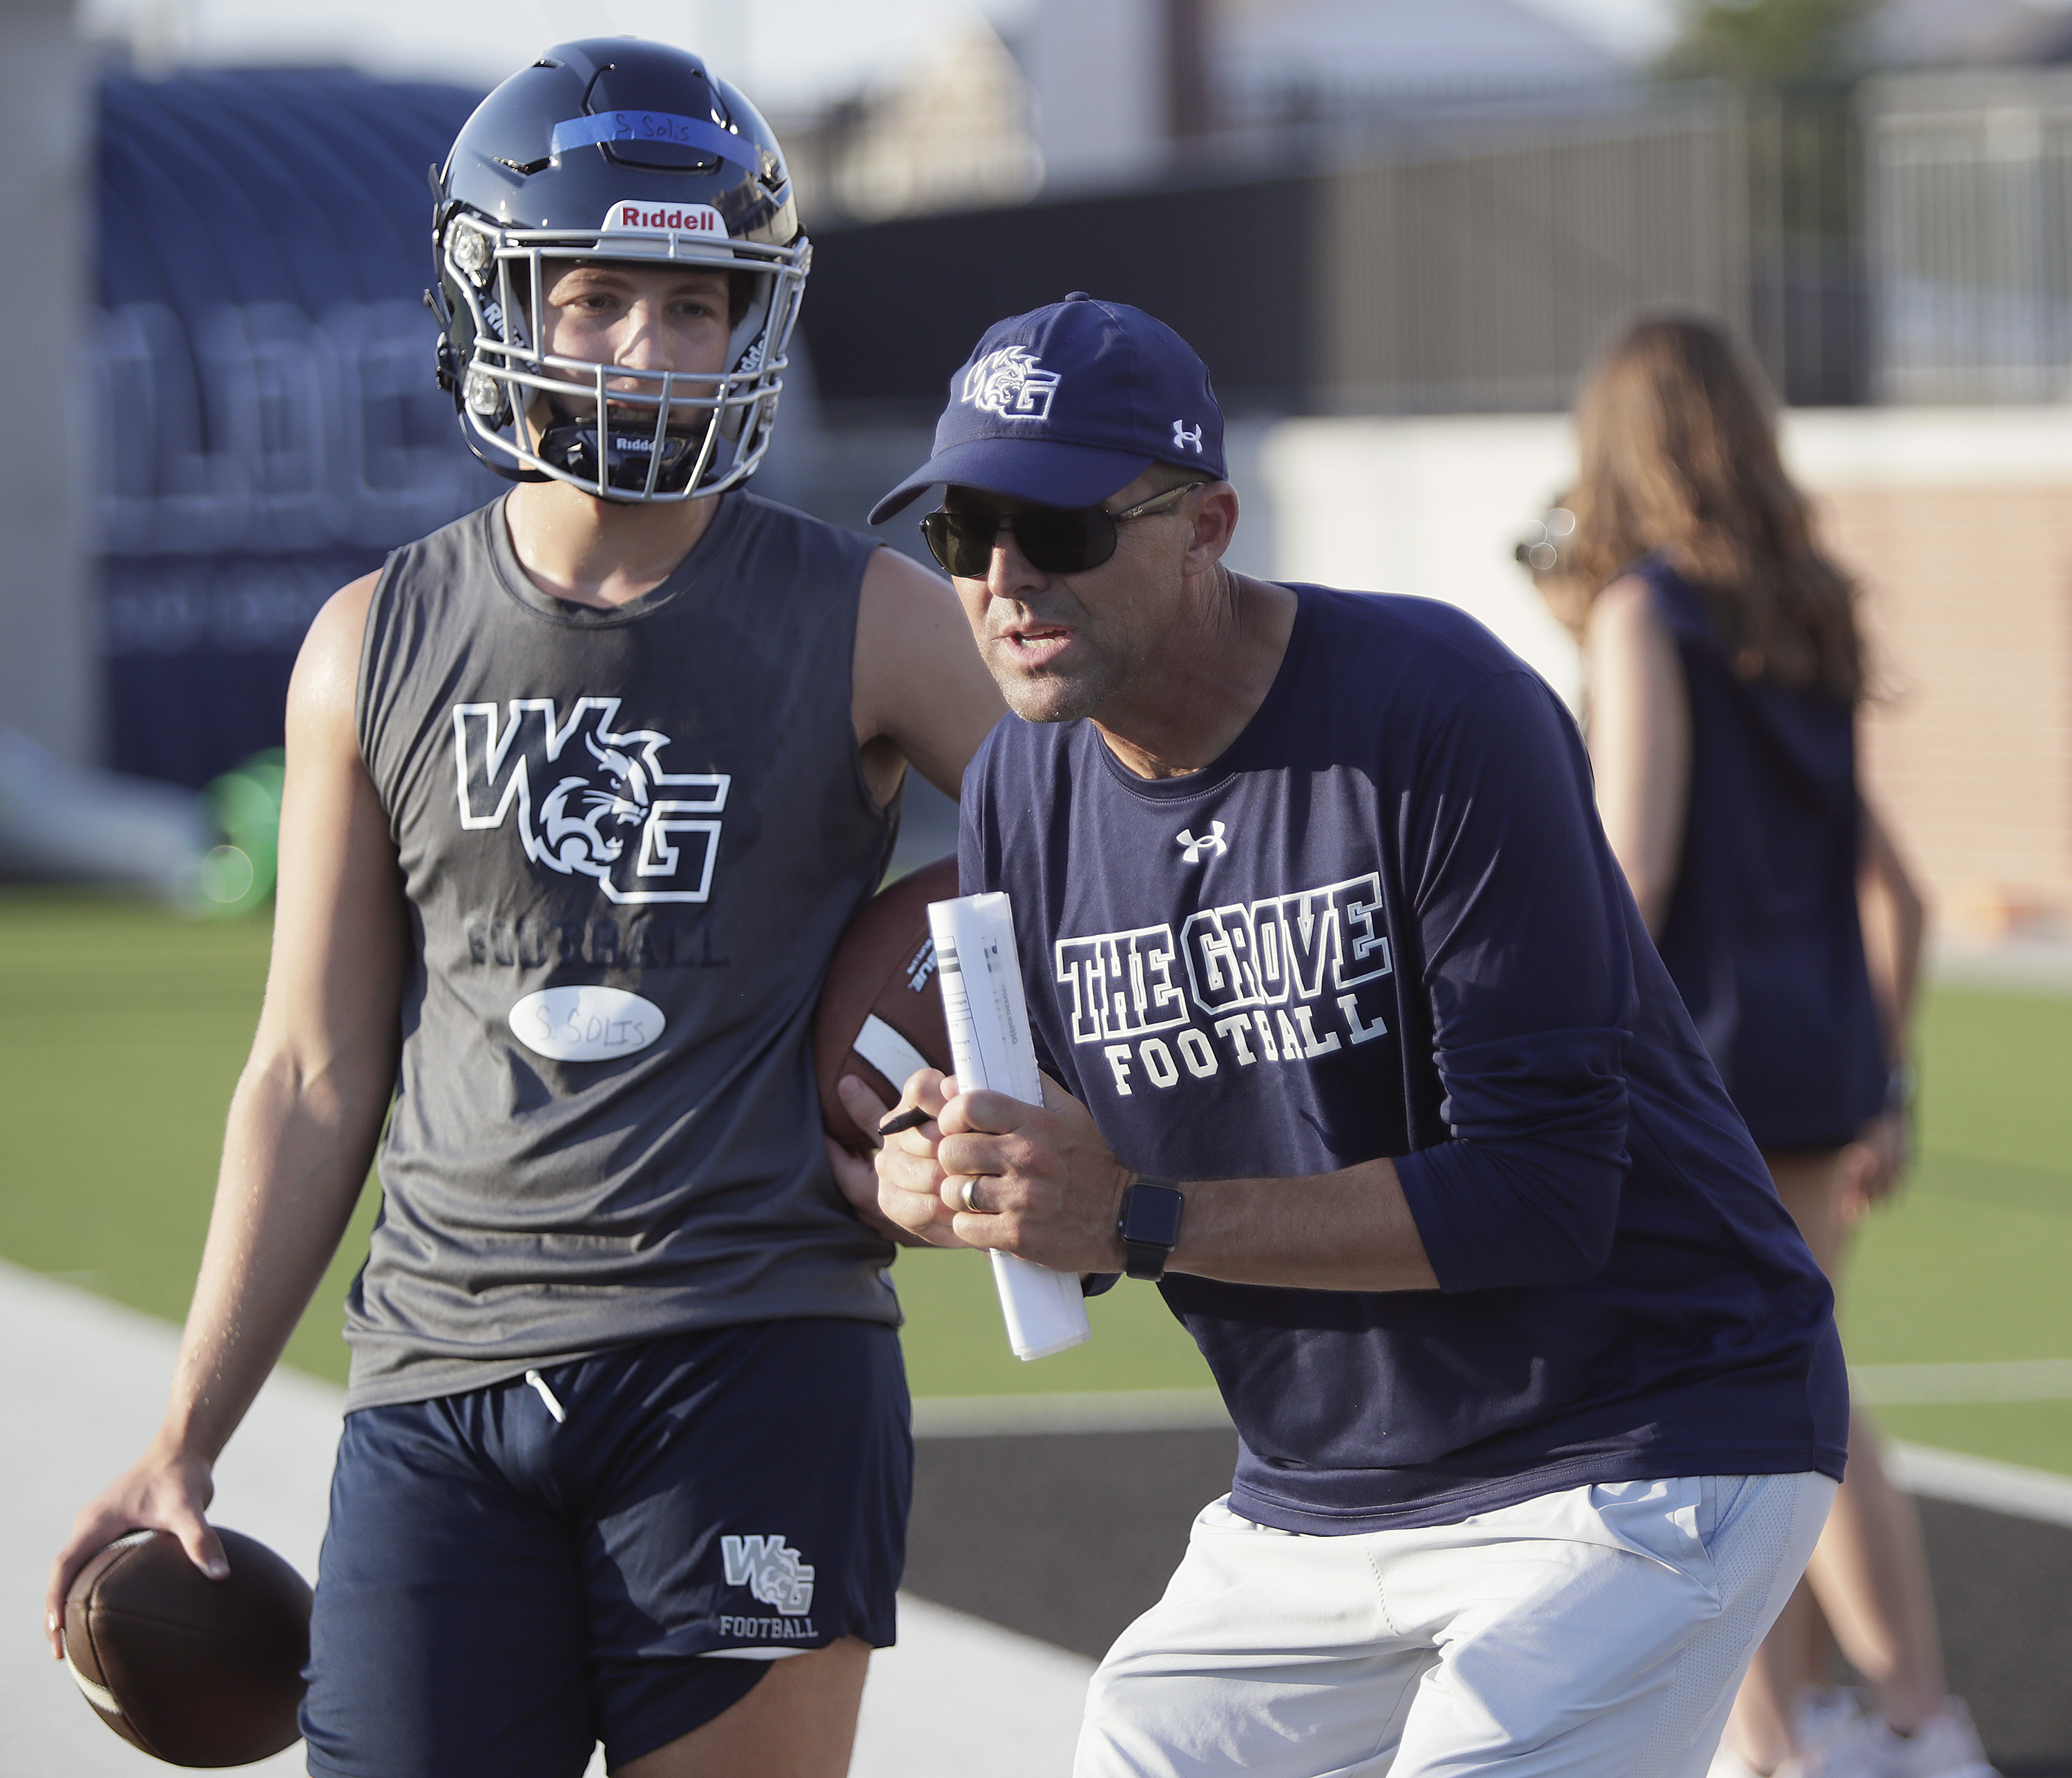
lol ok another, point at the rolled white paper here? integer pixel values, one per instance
(980, 974)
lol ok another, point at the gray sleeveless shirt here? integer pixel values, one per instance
(629, 840)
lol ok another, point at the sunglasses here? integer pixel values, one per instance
(1052, 539)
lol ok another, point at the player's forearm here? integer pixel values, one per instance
(1349, 1231)
(1895, 924)
(295, 1155)
(1639, 743)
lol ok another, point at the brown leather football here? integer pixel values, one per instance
(195, 1672)
(881, 1013)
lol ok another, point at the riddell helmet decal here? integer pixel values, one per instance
(676, 218)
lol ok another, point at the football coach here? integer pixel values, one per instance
(1357, 1048)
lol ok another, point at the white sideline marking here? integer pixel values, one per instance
(2030, 966)
(86, 1382)
(1951, 1386)
(86, 1385)
(1092, 1410)
(1979, 1481)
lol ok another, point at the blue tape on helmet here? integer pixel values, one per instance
(654, 126)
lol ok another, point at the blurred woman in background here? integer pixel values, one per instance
(1725, 670)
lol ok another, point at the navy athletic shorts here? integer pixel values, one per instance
(500, 1590)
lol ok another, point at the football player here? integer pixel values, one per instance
(582, 790)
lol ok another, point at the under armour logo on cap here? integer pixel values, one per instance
(1184, 440)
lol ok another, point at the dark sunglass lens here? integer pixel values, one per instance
(1052, 539)
(1065, 540)
(962, 541)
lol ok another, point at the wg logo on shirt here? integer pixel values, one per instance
(770, 1570)
(590, 801)
(1260, 974)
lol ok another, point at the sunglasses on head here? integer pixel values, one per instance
(1052, 539)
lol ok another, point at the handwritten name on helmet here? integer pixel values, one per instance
(676, 218)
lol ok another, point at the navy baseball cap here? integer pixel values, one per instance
(1067, 403)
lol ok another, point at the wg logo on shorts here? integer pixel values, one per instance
(590, 801)
(770, 1571)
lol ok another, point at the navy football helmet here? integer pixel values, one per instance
(616, 149)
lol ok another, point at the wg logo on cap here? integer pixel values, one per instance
(1008, 383)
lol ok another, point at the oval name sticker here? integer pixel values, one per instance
(586, 1023)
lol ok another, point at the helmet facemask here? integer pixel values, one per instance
(668, 435)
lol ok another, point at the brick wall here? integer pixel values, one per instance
(1958, 521)
(1968, 597)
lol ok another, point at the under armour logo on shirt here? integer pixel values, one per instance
(1191, 441)
(1213, 841)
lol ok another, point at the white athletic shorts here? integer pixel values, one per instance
(1599, 1632)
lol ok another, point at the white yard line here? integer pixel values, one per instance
(85, 1385)
(1952, 1386)
(2032, 966)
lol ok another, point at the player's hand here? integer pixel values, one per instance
(1048, 1188)
(1875, 1163)
(855, 1176)
(162, 1492)
(909, 1178)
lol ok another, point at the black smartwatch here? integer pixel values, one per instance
(1149, 1225)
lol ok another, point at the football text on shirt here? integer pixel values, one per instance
(1273, 980)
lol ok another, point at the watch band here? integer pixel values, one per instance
(1149, 1225)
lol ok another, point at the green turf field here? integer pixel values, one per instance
(122, 1030)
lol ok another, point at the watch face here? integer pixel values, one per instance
(1151, 1217)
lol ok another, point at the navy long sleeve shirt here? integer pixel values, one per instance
(1386, 922)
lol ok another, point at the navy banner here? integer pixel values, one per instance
(267, 425)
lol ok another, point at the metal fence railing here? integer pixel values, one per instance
(1479, 273)
(1969, 180)
(1461, 261)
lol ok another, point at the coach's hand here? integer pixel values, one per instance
(163, 1491)
(1046, 1186)
(855, 1176)
(910, 1179)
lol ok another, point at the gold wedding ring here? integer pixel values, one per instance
(971, 1197)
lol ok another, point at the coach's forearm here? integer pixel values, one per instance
(295, 1155)
(1350, 1231)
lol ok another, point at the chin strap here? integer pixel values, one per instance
(572, 447)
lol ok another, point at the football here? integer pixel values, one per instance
(195, 1672)
(881, 1013)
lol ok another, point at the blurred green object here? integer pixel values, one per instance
(238, 876)
(123, 1028)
